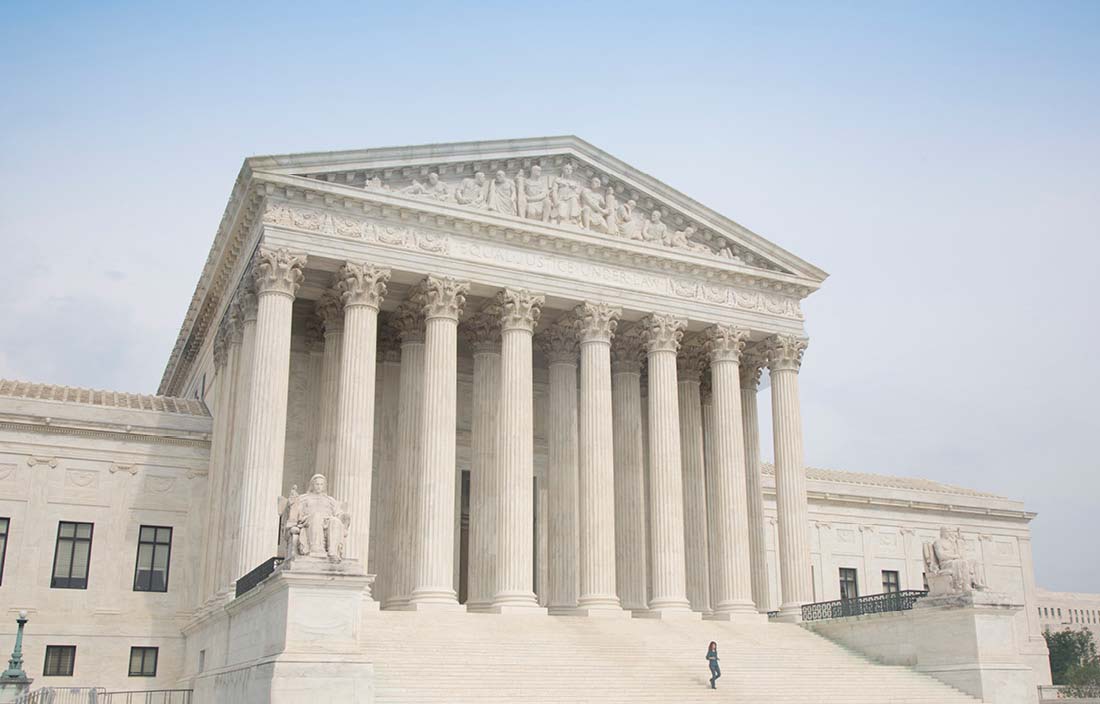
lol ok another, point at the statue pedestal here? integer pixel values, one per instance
(12, 687)
(293, 639)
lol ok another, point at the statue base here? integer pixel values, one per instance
(12, 687)
(292, 638)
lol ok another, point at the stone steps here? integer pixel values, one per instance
(460, 658)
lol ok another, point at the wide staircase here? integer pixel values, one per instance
(455, 658)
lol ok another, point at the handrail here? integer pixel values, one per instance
(249, 581)
(147, 696)
(871, 604)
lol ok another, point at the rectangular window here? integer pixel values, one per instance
(849, 589)
(60, 660)
(4, 523)
(153, 555)
(143, 662)
(72, 555)
(890, 582)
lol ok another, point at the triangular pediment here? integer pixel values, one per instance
(555, 181)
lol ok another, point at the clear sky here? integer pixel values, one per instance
(940, 161)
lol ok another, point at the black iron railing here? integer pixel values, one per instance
(249, 581)
(147, 696)
(773, 614)
(872, 604)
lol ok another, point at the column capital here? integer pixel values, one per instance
(596, 322)
(443, 297)
(247, 301)
(692, 359)
(519, 309)
(628, 351)
(482, 329)
(752, 363)
(330, 308)
(784, 352)
(725, 343)
(362, 284)
(408, 320)
(221, 341)
(278, 271)
(389, 340)
(559, 341)
(663, 332)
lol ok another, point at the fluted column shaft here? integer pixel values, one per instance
(595, 326)
(435, 509)
(230, 568)
(278, 274)
(483, 471)
(792, 509)
(515, 447)
(630, 505)
(694, 481)
(754, 486)
(666, 498)
(709, 432)
(361, 288)
(388, 481)
(331, 310)
(559, 343)
(215, 477)
(730, 529)
(410, 325)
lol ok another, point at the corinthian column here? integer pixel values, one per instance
(666, 493)
(730, 527)
(330, 308)
(215, 478)
(482, 332)
(630, 504)
(243, 337)
(559, 344)
(596, 324)
(784, 354)
(389, 350)
(278, 273)
(443, 299)
(409, 322)
(361, 288)
(519, 314)
(751, 364)
(689, 369)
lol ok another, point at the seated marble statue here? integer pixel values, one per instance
(947, 571)
(316, 524)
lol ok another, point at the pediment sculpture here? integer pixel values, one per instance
(564, 199)
(314, 524)
(948, 572)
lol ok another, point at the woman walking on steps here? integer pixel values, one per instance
(712, 659)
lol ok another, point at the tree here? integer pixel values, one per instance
(1072, 651)
(1083, 680)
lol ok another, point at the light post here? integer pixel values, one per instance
(14, 680)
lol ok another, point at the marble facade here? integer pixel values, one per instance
(530, 373)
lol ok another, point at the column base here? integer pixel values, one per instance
(593, 612)
(737, 616)
(479, 607)
(433, 600)
(670, 614)
(790, 613)
(521, 609)
(395, 604)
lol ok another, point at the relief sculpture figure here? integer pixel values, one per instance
(948, 572)
(434, 188)
(626, 220)
(682, 240)
(533, 195)
(611, 204)
(566, 198)
(502, 195)
(315, 524)
(653, 230)
(473, 192)
(594, 211)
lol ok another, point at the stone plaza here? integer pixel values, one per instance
(488, 392)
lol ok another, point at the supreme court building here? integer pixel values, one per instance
(531, 373)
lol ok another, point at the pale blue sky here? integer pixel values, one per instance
(941, 162)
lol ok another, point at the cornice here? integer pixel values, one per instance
(121, 434)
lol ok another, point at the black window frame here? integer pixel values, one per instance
(144, 650)
(845, 573)
(4, 533)
(891, 584)
(71, 582)
(51, 650)
(155, 543)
